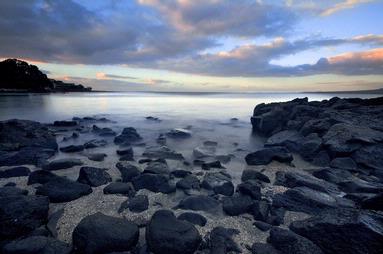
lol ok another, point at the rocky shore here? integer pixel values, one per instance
(84, 186)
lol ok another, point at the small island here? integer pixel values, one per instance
(17, 76)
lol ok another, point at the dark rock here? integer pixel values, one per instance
(212, 164)
(37, 245)
(103, 132)
(263, 226)
(269, 122)
(236, 204)
(219, 182)
(138, 203)
(370, 156)
(52, 222)
(179, 133)
(127, 151)
(20, 215)
(310, 147)
(99, 233)
(15, 172)
(288, 242)
(373, 203)
(62, 164)
(265, 156)
(95, 143)
(250, 188)
(260, 210)
(249, 174)
(153, 182)
(343, 231)
(94, 176)
(128, 135)
(65, 123)
(220, 240)
(193, 218)
(198, 203)
(204, 151)
(10, 184)
(288, 138)
(8, 191)
(161, 140)
(166, 234)
(96, 156)
(128, 171)
(358, 185)
(72, 148)
(163, 152)
(189, 182)
(263, 248)
(319, 126)
(143, 161)
(343, 163)
(151, 118)
(277, 216)
(157, 167)
(180, 173)
(41, 176)
(333, 175)
(63, 190)
(120, 188)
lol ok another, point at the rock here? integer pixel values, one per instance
(25, 142)
(37, 245)
(193, 218)
(269, 122)
(265, 156)
(263, 226)
(41, 176)
(62, 164)
(343, 163)
(138, 203)
(103, 132)
(127, 154)
(303, 199)
(212, 164)
(310, 147)
(15, 172)
(163, 152)
(333, 175)
(289, 138)
(287, 242)
(96, 156)
(260, 210)
(180, 173)
(8, 191)
(72, 148)
(63, 190)
(99, 233)
(373, 203)
(220, 240)
(120, 188)
(249, 174)
(219, 182)
(94, 176)
(204, 151)
(263, 248)
(166, 234)
(319, 126)
(250, 188)
(20, 215)
(358, 185)
(277, 216)
(189, 182)
(293, 179)
(94, 143)
(52, 222)
(210, 143)
(65, 123)
(370, 156)
(157, 167)
(128, 171)
(179, 133)
(153, 182)
(236, 204)
(128, 135)
(151, 118)
(198, 203)
(343, 231)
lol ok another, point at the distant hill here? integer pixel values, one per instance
(375, 91)
(19, 76)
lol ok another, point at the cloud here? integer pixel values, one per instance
(348, 4)
(102, 75)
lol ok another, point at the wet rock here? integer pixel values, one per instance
(63, 190)
(220, 241)
(161, 140)
(128, 135)
(198, 203)
(72, 148)
(103, 132)
(250, 174)
(210, 143)
(62, 164)
(151, 118)
(163, 152)
(193, 218)
(153, 182)
(269, 122)
(188, 182)
(265, 156)
(287, 242)
(289, 138)
(120, 188)
(166, 234)
(180, 173)
(99, 233)
(343, 163)
(204, 151)
(94, 143)
(157, 167)
(8, 191)
(370, 156)
(94, 176)
(332, 175)
(358, 185)
(128, 171)
(236, 204)
(37, 245)
(64, 123)
(250, 188)
(41, 176)
(96, 156)
(15, 172)
(179, 133)
(138, 203)
(263, 226)
(212, 164)
(343, 231)
(20, 215)
(263, 248)
(219, 182)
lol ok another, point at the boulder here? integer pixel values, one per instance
(166, 234)
(37, 245)
(250, 188)
(236, 205)
(289, 138)
(188, 182)
(72, 148)
(310, 147)
(20, 215)
(180, 173)
(370, 156)
(266, 155)
(260, 210)
(128, 135)
(250, 174)
(61, 189)
(153, 182)
(221, 241)
(65, 123)
(343, 231)
(138, 203)
(263, 248)
(15, 172)
(99, 233)
(62, 164)
(96, 156)
(103, 132)
(94, 176)
(8, 191)
(128, 171)
(219, 182)
(179, 133)
(126, 153)
(358, 185)
(263, 226)
(194, 218)
(269, 122)
(343, 163)
(374, 202)
(204, 151)
(41, 176)
(157, 167)
(163, 152)
(198, 203)
(120, 188)
(94, 143)
(211, 164)
(333, 175)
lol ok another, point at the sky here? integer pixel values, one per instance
(199, 45)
